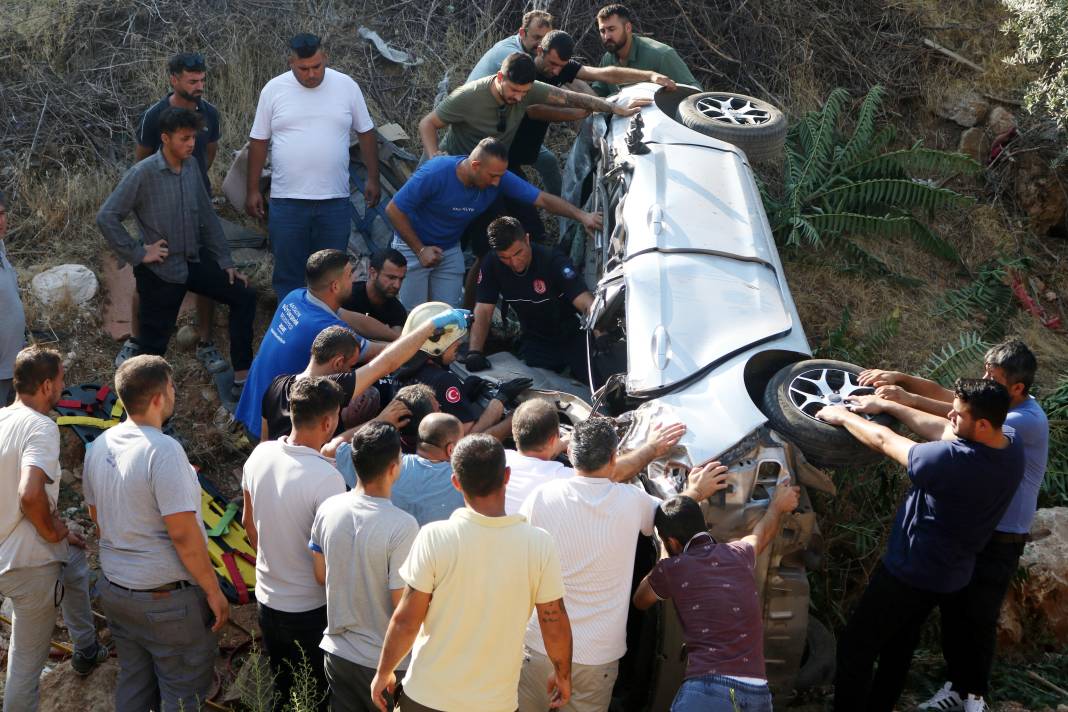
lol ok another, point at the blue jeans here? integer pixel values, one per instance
(441, 283)
(297, 229)
(715, 693)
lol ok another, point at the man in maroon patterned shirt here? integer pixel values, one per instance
(715, 594)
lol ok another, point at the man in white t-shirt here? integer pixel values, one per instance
(284, 483)
(35, 560)
(536, 431)
(472, 582)
(595, 523)
(307, 114)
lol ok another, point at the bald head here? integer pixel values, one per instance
(440, 430)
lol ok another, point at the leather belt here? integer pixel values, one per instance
(172, 586)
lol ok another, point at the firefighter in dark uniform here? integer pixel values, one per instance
(431, 367)
(546, 292)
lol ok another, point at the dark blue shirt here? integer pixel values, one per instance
(960, 490)
(440, 206)
(148, 132)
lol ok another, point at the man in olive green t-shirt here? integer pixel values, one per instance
(625, 49)
(494, 106)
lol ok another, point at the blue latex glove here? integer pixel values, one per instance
(454, 317)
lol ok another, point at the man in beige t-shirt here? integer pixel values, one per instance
(472, 582)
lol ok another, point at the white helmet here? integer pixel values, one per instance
(442, 339)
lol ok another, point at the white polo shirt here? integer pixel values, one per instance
(527, 474)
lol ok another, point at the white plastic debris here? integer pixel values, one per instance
(75, 284)
(398, 56)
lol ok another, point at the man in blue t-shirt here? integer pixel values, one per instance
(432, 210)
(962, 483)
(969, 617)
(300, 316)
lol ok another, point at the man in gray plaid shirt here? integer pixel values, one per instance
(182, 246)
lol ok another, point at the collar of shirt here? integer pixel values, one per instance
(299, 449)
(162, 165)
(484, 521)
(711, 540)
(605, 481)
(321, 304)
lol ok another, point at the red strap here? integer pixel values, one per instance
(235, 577)
(246, 556)
(103, 393)
(71, 404)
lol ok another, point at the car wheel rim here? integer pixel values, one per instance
(732, 110)
(819, 387)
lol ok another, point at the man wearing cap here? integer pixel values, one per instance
(437, 353)
(307, 115)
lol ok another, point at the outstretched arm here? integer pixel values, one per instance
(563, 97)
(926, 425)
(429, 126)
(877, 437)
(624, 75)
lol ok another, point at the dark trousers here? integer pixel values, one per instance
(569, 353)
(970, 618)
(289, 639)
(884, 628)
(160, 302)
(299, 228)
(350, 685)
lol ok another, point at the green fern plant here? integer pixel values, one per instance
(987, 298)
(955, 360)
(864, 348)
(839, 186)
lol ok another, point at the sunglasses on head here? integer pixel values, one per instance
(305, 41)
(502, 118)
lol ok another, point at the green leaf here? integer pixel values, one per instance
(915, 160)
(928, 240)
(953, 360)
(860, 141)
(900, 194)
(854, 223)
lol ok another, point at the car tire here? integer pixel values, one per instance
(822, 444)
(761, 141)
(818, 661)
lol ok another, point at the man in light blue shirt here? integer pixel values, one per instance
(536, 24)
(969, 617)
(424, 488)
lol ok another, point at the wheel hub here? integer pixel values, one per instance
(732, 110)
(813, 389)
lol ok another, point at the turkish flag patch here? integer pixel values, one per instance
(539, 286)
(453, 394)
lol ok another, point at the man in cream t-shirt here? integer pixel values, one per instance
(472, 582)
(307, 115)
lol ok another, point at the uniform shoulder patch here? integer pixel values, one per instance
(568, 272)
(452, 394)
(539, 286)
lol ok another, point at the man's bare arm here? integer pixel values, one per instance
(257, 159)
(480, 329)
(393, 357)
(575, 100)
(367, 326)
(926, 425)
(583, 302)
(913, 384)
(785, 500)
(400, 637)
(33, 500)
(429, 126)
(404, 228)
(556, 634)
(544, 112)
(623, 75)
(248, 520)
(877, 437)
(644, 597)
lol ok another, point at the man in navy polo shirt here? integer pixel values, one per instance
(962, 482)
(432, 210)
(547, 293)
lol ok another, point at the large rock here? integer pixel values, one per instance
(1000, 120)
(964, 108)
(1039, 193)
(974, 145)
(1039, 601)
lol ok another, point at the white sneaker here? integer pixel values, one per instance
(945, 700)
(974, 704)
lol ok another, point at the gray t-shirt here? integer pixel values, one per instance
(13, 323)
(135, 476)
(364, 540)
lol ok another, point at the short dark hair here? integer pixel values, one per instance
(534, 423)
(621, 11)
(305, 44)
(324, 267)
(1017, 361)
(504, 232)
(333, 341)
(561, 42)
(380, 258)
(186, 62)
(538, 17)
(491, 147)
(421, 402)
(593, 443)
(375, 447)
(312, 398)
(479, 463)
(518, 68)
(34, 365)
(679, 518)
(174, 118)
(140, 379)
(986, 400)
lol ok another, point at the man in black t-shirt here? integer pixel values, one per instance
(546, 292)
(377, 296)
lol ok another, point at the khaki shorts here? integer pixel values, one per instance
(591, 685)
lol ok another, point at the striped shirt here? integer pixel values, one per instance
(168, 206)
(595, 523)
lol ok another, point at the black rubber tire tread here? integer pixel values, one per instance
(823, 444)
(818, 666)
(760, 143)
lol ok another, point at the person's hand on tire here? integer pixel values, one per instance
(895, 394)
(509, 390)
(866, 405)
(477, 361)
(833, 414)
(876, 377)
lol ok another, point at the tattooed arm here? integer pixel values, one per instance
(556, 633)
(575, 100)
